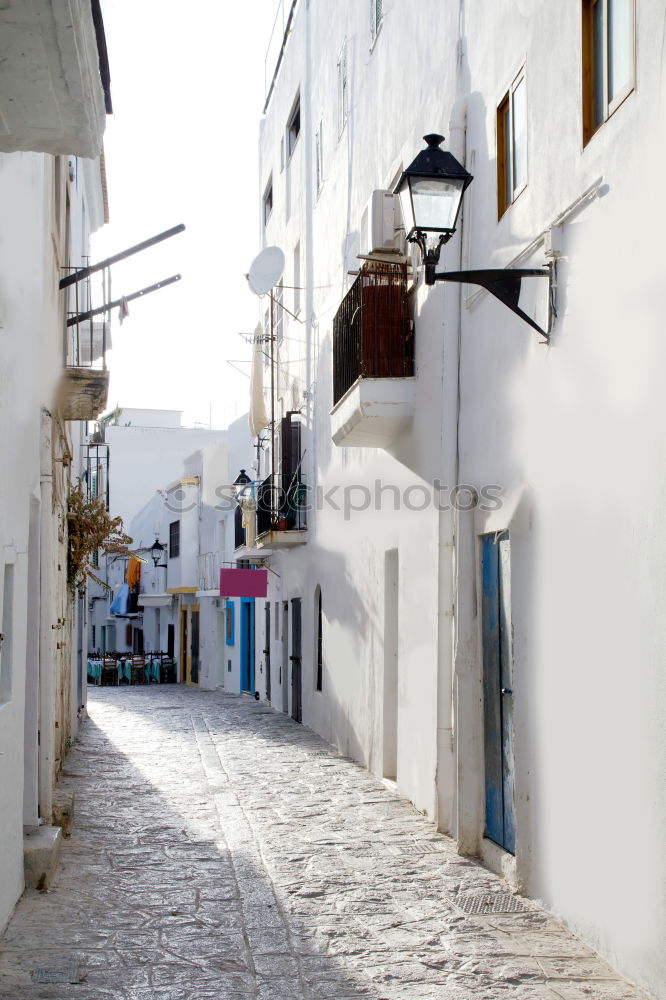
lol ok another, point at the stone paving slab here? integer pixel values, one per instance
(222, 851)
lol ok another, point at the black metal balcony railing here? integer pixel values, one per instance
(96, 472)
(281, 504)
(372, 331)
(88, 328)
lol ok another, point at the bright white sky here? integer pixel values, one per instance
(187, 83)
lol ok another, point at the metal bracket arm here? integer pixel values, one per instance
(80, 317)
(504, 284)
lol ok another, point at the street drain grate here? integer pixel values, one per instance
(68, 974)
(318, 753)
(492, 902)
(428, 847)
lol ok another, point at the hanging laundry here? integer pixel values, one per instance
(133, 575)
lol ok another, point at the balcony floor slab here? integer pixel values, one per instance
(373, 412)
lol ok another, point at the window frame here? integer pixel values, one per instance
(297, 277)
(174, 539)
(267, 201)
(277, 304)
(505, 140)
(588, 93)
(292, 141)
(376, 8)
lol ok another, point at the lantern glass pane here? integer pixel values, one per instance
(406, 207)
(436, 202)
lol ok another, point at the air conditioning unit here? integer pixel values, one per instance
(378, 230)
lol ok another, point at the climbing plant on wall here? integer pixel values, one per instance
(90, 529)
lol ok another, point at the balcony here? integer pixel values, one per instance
(208, 566)
(281, 512)
(84, 387)
(374, 389)
(54, 77)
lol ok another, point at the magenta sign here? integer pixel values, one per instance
(243, 582)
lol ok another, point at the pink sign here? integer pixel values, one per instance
(243, 582)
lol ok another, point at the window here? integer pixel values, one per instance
(278, 312)
(511, 144)
(608, 59)
(297, 278)
(268, 200)
(343, 93)
(375, 19)
(229, 623)
(294, 127)
(174, 539)
(319, 160)
(320, 644)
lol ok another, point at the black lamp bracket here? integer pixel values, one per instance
(504, 284)
(430, 254)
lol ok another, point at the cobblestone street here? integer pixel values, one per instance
(220, 850)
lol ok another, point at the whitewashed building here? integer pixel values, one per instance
(195, 520)
(54, 97)
(462, 471)
(141, 451)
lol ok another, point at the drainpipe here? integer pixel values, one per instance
(46, 622)
(446, 772)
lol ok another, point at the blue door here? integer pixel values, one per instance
(498, 691)
(247, 644)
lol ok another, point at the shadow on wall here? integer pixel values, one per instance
(346, 611)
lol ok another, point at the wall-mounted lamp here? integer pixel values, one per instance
(241, 483)
(157, 550)
(431, 190)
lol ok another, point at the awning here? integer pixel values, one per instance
(243, 582)
(258, 418)
(155, 600)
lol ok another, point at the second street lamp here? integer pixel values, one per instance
(157, 551)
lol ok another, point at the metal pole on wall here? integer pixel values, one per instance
(272, 357)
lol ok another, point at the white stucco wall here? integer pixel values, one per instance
(145, 457)
(571, 432)
(39, 665)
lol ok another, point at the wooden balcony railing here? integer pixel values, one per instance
(372, 331)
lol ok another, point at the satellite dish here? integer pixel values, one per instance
(266, 270)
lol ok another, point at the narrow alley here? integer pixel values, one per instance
(220, 850)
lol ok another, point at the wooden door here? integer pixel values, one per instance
(247, 645)
(284, 669)
(183, 645)
(296, 687)
(500, 821)
(194, 645)
(267, 648)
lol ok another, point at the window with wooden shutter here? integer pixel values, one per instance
(608, 59)
(512, 144)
